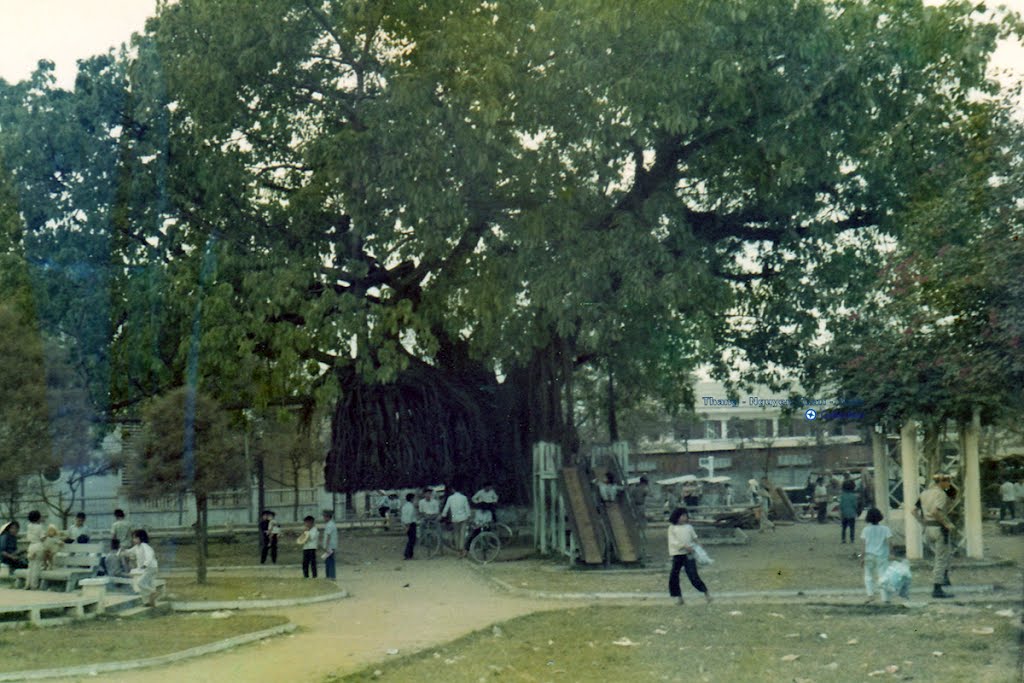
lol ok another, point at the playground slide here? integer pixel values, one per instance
(625, 537)
(583, 515)
(623, 525)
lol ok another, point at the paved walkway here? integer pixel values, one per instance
(394, 606)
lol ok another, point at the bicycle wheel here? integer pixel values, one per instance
(505, 533)
(485, 547)
(430, 542)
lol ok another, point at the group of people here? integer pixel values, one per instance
(313, 540)
(129, 551)
(890, 578)
(468, 516)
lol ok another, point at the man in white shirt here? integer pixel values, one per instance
(409, 520)
(429, 506)
(457, 506)
(1008, 500)
(485, 508)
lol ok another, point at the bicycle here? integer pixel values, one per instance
(484, 547)
(486, 543)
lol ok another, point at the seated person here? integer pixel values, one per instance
(112, 564)
(9, 553)
(608, 489)
(77, 532)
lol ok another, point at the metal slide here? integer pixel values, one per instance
(584, 516)
(622, 518)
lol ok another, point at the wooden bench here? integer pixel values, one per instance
(75, 562)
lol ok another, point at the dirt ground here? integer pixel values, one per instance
(409, 606)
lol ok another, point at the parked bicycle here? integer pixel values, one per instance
(485, 546)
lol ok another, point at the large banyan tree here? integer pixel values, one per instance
(433, 215)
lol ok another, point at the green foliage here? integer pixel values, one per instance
(309, 199)
(943, 334)
(188, 447)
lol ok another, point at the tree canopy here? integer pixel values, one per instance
(435, 214)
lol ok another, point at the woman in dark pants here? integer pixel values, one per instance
(681, 538)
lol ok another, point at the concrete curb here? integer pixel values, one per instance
(191, 571)
(211, 605)
(987, 590)
(127, 665)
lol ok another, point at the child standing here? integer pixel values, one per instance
(848, 509)
(681, 539)
(877, 538)
(309, 540)
(34, 534)
(120, 531)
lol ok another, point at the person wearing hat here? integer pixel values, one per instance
(932, 511)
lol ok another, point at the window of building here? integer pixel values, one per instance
(712, 429)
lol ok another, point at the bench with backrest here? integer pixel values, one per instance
(76, 561)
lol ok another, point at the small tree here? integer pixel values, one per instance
(188, 447)
(24, 413)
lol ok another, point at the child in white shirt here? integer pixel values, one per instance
(681, 539)
(876, 537)
(145, 565)
(309, 539)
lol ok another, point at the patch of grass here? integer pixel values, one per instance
(710, 643)
(219, 587)
(728, 574)
(111, 639)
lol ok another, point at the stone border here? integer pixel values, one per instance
(127, 665)
(215, 605)
(986, 591)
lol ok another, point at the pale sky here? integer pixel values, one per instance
(64, 31)
(67, 30)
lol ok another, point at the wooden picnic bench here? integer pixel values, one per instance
(76, 561)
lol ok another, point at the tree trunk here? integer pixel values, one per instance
(438, 423)
(201, 549)
(613, 421)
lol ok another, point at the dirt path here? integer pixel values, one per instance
(423, 603)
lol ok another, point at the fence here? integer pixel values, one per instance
(225, 508)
